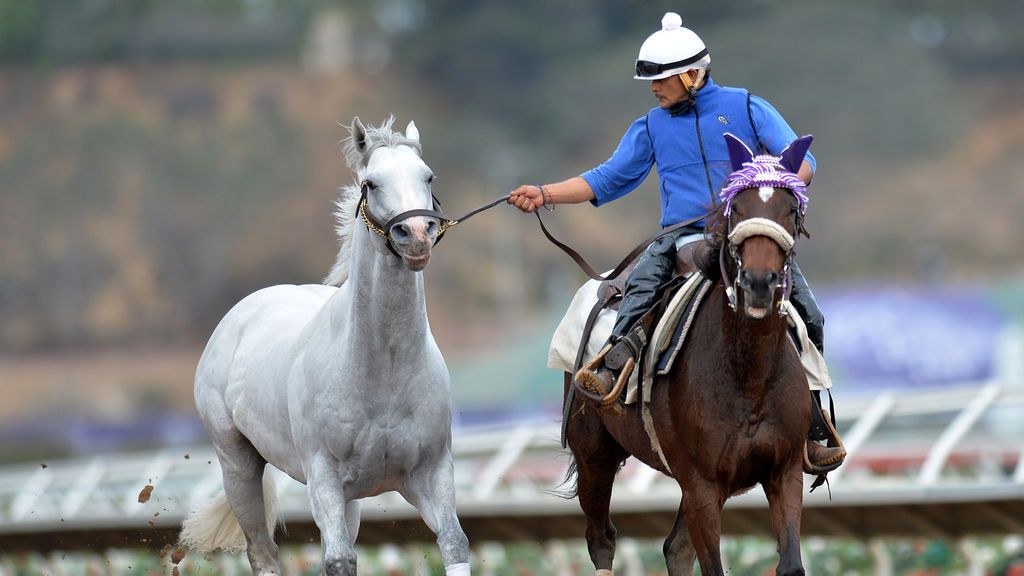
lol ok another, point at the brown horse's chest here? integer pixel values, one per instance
(735, 450)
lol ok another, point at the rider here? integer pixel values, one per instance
(683, 136)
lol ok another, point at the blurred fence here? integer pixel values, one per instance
(939, 464)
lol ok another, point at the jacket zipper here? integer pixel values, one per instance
(703, 155)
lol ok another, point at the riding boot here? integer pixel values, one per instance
(821, 459)
(603, 379)
(805, 304)
(612, 366)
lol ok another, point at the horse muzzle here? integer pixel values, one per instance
(758, 291)
(413, 238)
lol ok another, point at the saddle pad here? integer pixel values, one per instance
(566, 339)
(670, 334)
(813, 362)
(565, 342)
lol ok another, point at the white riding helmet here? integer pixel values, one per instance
(671, 50)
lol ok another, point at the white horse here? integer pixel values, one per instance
(340, 385)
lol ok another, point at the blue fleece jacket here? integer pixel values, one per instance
(690, 151)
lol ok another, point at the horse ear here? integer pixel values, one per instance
(358, 135)
(738, 151)
(412, 133)
(793, 155)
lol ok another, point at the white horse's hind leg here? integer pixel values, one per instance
(327, 501)
(433, 494)
(242, 468)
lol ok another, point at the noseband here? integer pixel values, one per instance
(758, 227)
(384, 230)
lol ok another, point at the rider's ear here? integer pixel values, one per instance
(738, 151)
(412, 133)
(793, 155)
(359, 135)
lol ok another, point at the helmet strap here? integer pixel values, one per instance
(694, 86)
(691, 88)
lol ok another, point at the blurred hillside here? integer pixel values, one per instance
(159, 160)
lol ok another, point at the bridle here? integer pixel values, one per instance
(384, 230)
(747, 228)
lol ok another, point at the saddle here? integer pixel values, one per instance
(611, 290)
(609, 295)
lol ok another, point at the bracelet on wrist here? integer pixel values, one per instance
(548, 203)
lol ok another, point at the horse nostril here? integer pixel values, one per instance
(744, 279)
(772, 278)
(431, 228)
(400, 232)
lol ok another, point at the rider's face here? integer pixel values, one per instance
(668, 91)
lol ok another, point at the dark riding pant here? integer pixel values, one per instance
(804, 302)
(657, 266)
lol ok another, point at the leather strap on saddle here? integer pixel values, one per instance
(821, 430)
(629, 346)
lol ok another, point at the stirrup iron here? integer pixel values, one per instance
(590, 369)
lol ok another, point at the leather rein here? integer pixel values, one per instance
(384, 230)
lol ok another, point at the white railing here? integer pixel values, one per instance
(954, 445)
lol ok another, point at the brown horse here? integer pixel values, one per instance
(734, 411)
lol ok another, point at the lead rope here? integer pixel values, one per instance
(447, 223)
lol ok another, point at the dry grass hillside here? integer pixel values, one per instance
(959, 211)
(137, 205)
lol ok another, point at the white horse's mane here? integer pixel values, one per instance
(348, 197)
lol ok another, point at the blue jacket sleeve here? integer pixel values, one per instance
(772, 129)
(627, 167)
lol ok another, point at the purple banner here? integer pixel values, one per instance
(917, 338)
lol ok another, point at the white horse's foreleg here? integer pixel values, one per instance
(433, 494)
(352, 520)
(327, 501)
(242, 468)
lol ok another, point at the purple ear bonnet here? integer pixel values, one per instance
(751, 171)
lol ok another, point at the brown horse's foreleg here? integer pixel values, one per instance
(679, 552)
(702, 504)
(785, 502)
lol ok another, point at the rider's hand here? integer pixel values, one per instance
(526, 198)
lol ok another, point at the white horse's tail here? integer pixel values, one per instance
(213, 526)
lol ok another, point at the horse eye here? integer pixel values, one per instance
(430, 179)
(370, 185)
